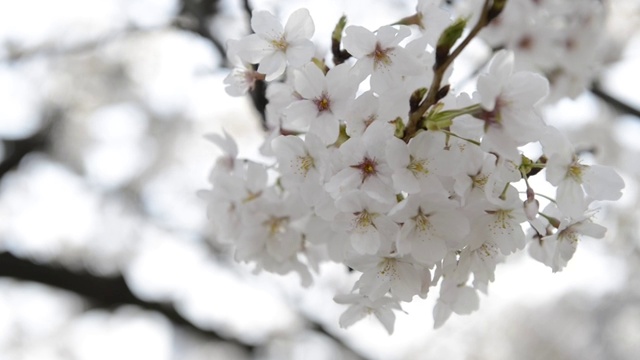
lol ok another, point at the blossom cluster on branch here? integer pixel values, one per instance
(381, 166)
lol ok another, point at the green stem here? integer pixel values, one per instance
(460, 137)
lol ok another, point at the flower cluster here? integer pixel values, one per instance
(563, 39)
(380, 166)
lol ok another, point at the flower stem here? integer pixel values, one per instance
(439, 70)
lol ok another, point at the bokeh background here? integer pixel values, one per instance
(105, 252)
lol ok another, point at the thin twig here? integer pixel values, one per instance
(415, 118)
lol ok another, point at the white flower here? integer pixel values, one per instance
(454, 297)
(319, 231)
(364, 219)
(324, 100)
(368, 108)
(478, 184)
(509, 102)
(388, 272)
(429, 223)
(573, 179)
(555, 250)
(233, 195)
(380, 55)
(274, 46)
(302, 164)
(500, 224)
(365, 166)
(361, 306)
(242, 77)
(416, 166)
(433, 19)
(229, 162)
(271, 229)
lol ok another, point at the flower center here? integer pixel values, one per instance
(364, 219)
(568, 234)
(501, 219)
(575, 171)
(387, 267)
(380, 56)
(422, 221)
(493, 117)
(305, 163)
(367, 168)
(280, 44)
(323, 103)
(479, 181)
(369, 120)
(251, 196)
(418, 166)
(276, 225)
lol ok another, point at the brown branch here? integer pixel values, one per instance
(415, 118)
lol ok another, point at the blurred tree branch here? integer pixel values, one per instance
(195, 15)
(101, 292)
(613, 101)
(16, 150)
(111, 292)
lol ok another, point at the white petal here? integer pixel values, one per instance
(502, 65)
(602, 183)
(226, 144)
(403, 63)
(528, 87)
(428, 250)
(288, 146)
(273, 65)
(299, 25)
(352, 315)
(299, 114)
(309, 82)
(557, 168)
(326, 127)
(387, 318)
(570, 198)
(466, 302)
(441, 312)
(253, 49)
(590, 229)
(300, 52)
(404, 180)
(265, 24)
(366, 241)
(358, 41)
(450, 225)
(397, 154)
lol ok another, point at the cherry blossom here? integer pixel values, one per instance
(380, 55)
(326, 97)
(381, 164)
(274, 46)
